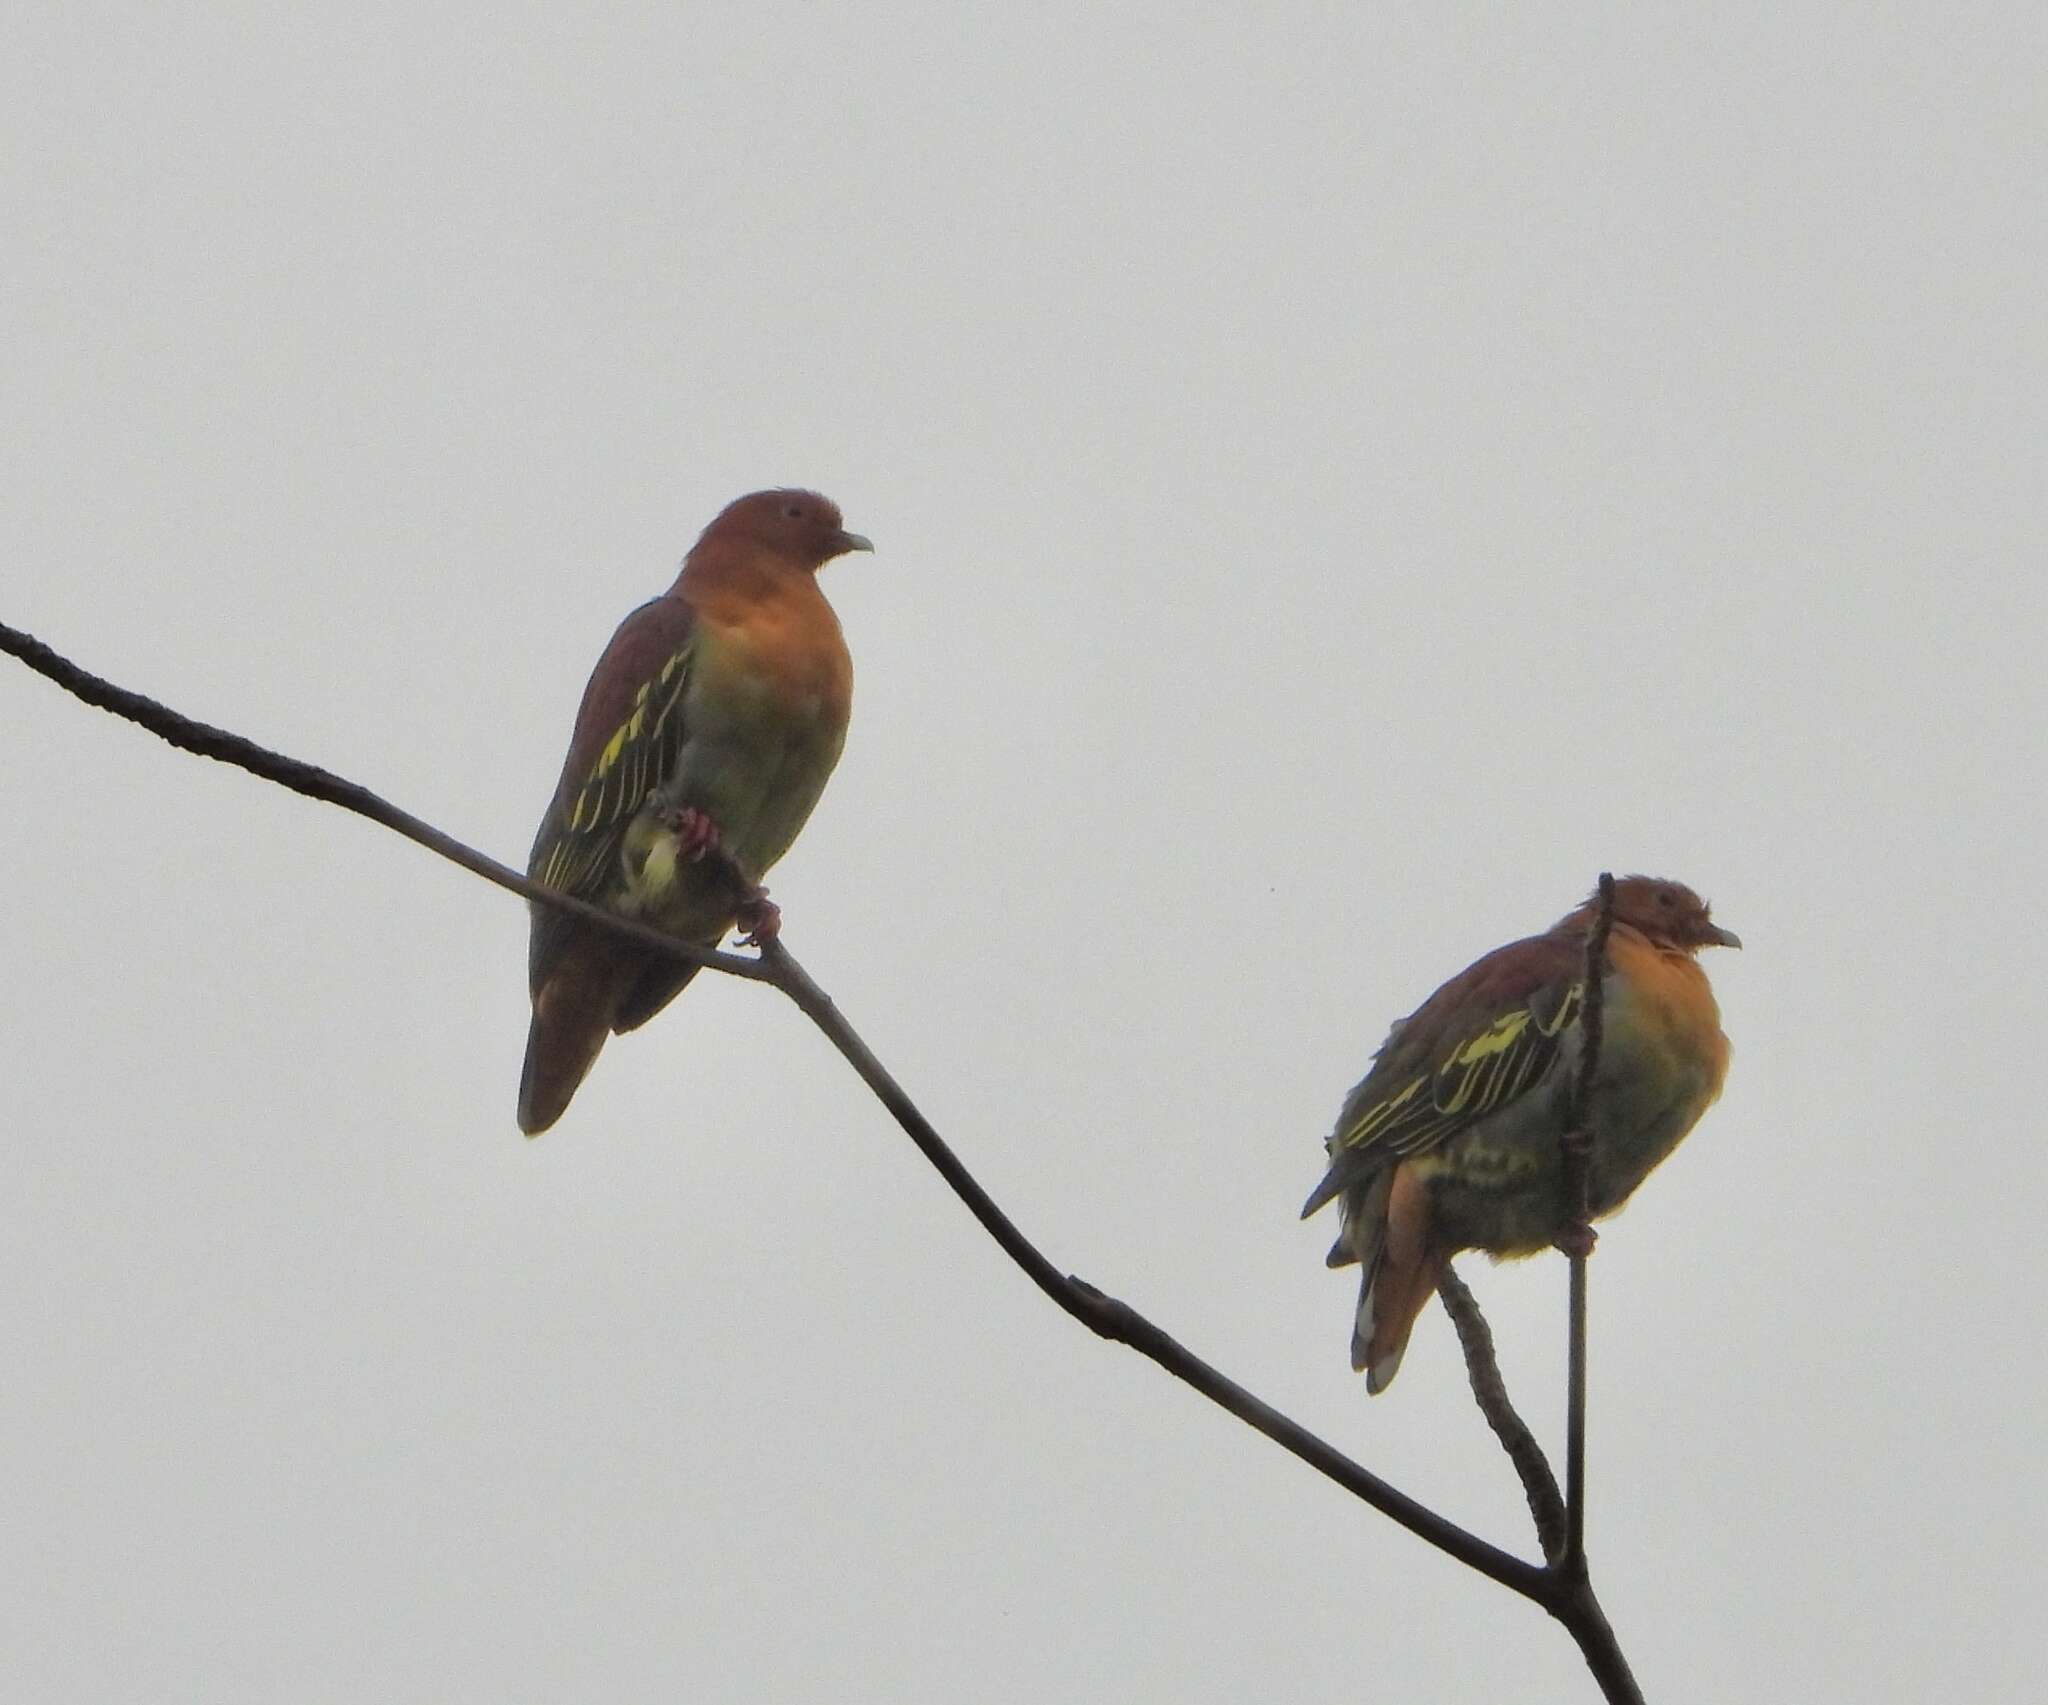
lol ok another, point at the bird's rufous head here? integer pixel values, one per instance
(799, 526)
(1668, 913)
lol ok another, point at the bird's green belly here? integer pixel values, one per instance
(772, 798)
(1508, 1200)
(1501, 1186)
(758, 782)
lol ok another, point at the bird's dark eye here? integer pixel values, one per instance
(1665, 897)
(795, 511)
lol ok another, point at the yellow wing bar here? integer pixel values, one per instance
(1480, 1074)
(631, 765)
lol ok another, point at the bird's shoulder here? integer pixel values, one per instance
(1534, 975)
(1482, 1040)
(656, 639)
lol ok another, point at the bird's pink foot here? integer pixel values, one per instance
(760, 917)
(695, 833)
(1577, 1240)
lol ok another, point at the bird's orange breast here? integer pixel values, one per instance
(1668, 994)
(787, 645)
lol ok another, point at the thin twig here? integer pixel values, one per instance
(1109, 1318)
(1539, 1484)
(1578, 1184)
(331, 789)
(1570, 1600)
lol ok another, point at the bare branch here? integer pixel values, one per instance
(1575, 1606)
(1578, 1184)
(324, 785)
(1539, 1484)
(1567, 1597)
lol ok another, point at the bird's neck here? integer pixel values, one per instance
(721, 575)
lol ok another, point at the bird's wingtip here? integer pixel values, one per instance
(1321, 1193)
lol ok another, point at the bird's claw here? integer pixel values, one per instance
(697, 838)
(696, 834)
(760, 917)
(1577, 1241)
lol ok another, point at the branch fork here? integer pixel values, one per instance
(1560, 1585)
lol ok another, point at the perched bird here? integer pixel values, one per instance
(1452, 1140)
(709, 727)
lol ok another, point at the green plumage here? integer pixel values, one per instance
(713, 720)
(1453, 1139)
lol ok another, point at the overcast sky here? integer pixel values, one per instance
(1341, 477)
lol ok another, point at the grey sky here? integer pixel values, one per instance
(1341, 477)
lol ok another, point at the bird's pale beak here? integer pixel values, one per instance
(1719, 937)
(855, 542)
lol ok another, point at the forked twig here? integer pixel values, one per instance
(1539, 1484)
(1566, 1596)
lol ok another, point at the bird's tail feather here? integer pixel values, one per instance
(572, 1016)
(1389, 1302)
(1397, 1280)
(651, 990)
(1362, 1224)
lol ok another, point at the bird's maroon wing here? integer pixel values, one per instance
(628, 739)
(1487, 1037)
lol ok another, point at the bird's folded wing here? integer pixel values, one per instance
(1486, 1038)
(628, 743)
